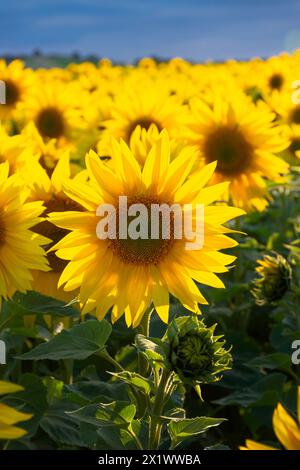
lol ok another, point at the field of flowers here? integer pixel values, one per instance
(128, 343)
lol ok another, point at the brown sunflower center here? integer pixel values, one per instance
(143, 251)
(144, 122)
(49, 230)
(276, 81)
(12, 93)
(50, 123)
(230, 148)
(2, 229)
(295, 115)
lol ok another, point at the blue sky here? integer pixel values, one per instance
(127, 29)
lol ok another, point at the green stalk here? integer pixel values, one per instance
(5, 322)
(140, 402)
(135, 438)
(105, 355)
(144, 326)
(156, 422)
(144, 329)
(69, 364)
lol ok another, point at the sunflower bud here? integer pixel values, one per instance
(274, 281)
(195, 354)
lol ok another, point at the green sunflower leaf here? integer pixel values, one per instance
(79, 342)
(184, 429)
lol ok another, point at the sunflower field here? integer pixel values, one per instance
(141, 343)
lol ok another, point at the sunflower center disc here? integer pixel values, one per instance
(231, 150)
(12, 93)
(276, 81)
(295, 116)
(50, 123)
(143, 251)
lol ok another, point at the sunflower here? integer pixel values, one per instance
(276, 74)
(20, 248)
(47, 187)
(128, 275)
(244, 140)
(286, 428)
(9, 416)
(144, 103)
(56, 111)
(18, 81)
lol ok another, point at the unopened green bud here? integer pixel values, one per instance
(195, 354)
(274, 281)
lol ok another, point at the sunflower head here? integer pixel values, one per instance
(56, 112)
(18, 216)
(229, 147)
(244, 140)
(17, 83)
(151, 266)
(47, 187)
(144, 104)
(274, 281)
(195, 354)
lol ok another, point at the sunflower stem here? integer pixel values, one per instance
(105, 355)
(5, 322)
(144, 329)
(141, 408)
(144, 326)
(5, 447)
(69, 363)
(156, 422)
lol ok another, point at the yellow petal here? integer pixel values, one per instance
(61, 172)
(160, 296)
(298, 405)
(9, 415)
(252, 445)
(157, 162)
(195, 183)
(11, 432)
(286, 429)
(7, 387)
